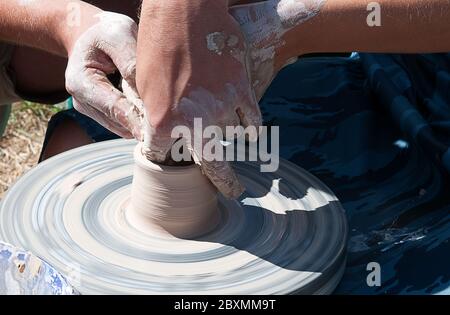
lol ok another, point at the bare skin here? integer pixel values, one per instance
(31, 64)
(54, 34)
(96, 43)
(407, 27)
(204, 75)
(282, 27)
(58, 143)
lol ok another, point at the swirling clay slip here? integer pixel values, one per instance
(286, 234)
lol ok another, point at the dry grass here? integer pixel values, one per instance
(21, 144)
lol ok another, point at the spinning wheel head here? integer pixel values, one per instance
(287, 233)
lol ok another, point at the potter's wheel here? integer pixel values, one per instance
(287, 234)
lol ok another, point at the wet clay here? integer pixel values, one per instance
(286, 234)
(178, 200)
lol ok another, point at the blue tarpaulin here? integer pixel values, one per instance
(376, 129)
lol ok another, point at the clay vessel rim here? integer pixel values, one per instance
(140, 158)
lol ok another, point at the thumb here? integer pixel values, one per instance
(220, 173)
(137, 114)
(223, 177)
(250, 116)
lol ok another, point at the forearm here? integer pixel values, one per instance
(407, 26)
(279, 30)
(45, 24)
(184, 17)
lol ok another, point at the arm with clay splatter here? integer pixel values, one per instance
(281, 30)
(96, 42)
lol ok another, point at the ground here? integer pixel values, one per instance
(21, 144)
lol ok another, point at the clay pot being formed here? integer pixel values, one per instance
(178, 200)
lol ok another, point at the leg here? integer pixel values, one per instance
(65, 136)
(68, 130)
(39, 76)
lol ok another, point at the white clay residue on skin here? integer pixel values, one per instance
(216, 42)
(264, 25)
(213, 111)
(294, 12)
(202, 103)
(232, 41)
(114, 35)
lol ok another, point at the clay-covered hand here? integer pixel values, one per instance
(192, 63)
(106, 46)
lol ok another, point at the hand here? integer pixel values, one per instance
(192, 63)
(106, 46)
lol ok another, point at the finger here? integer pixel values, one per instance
(92, 87)
(129, 116)
(134, 111)
(223, 177)
(219, 172)
(120, 46)
(137, 115)
(102, 119)
(231, 119)
(157, 146)
(123, 52)
(132, 95)
(235, 124)
(250, 116)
